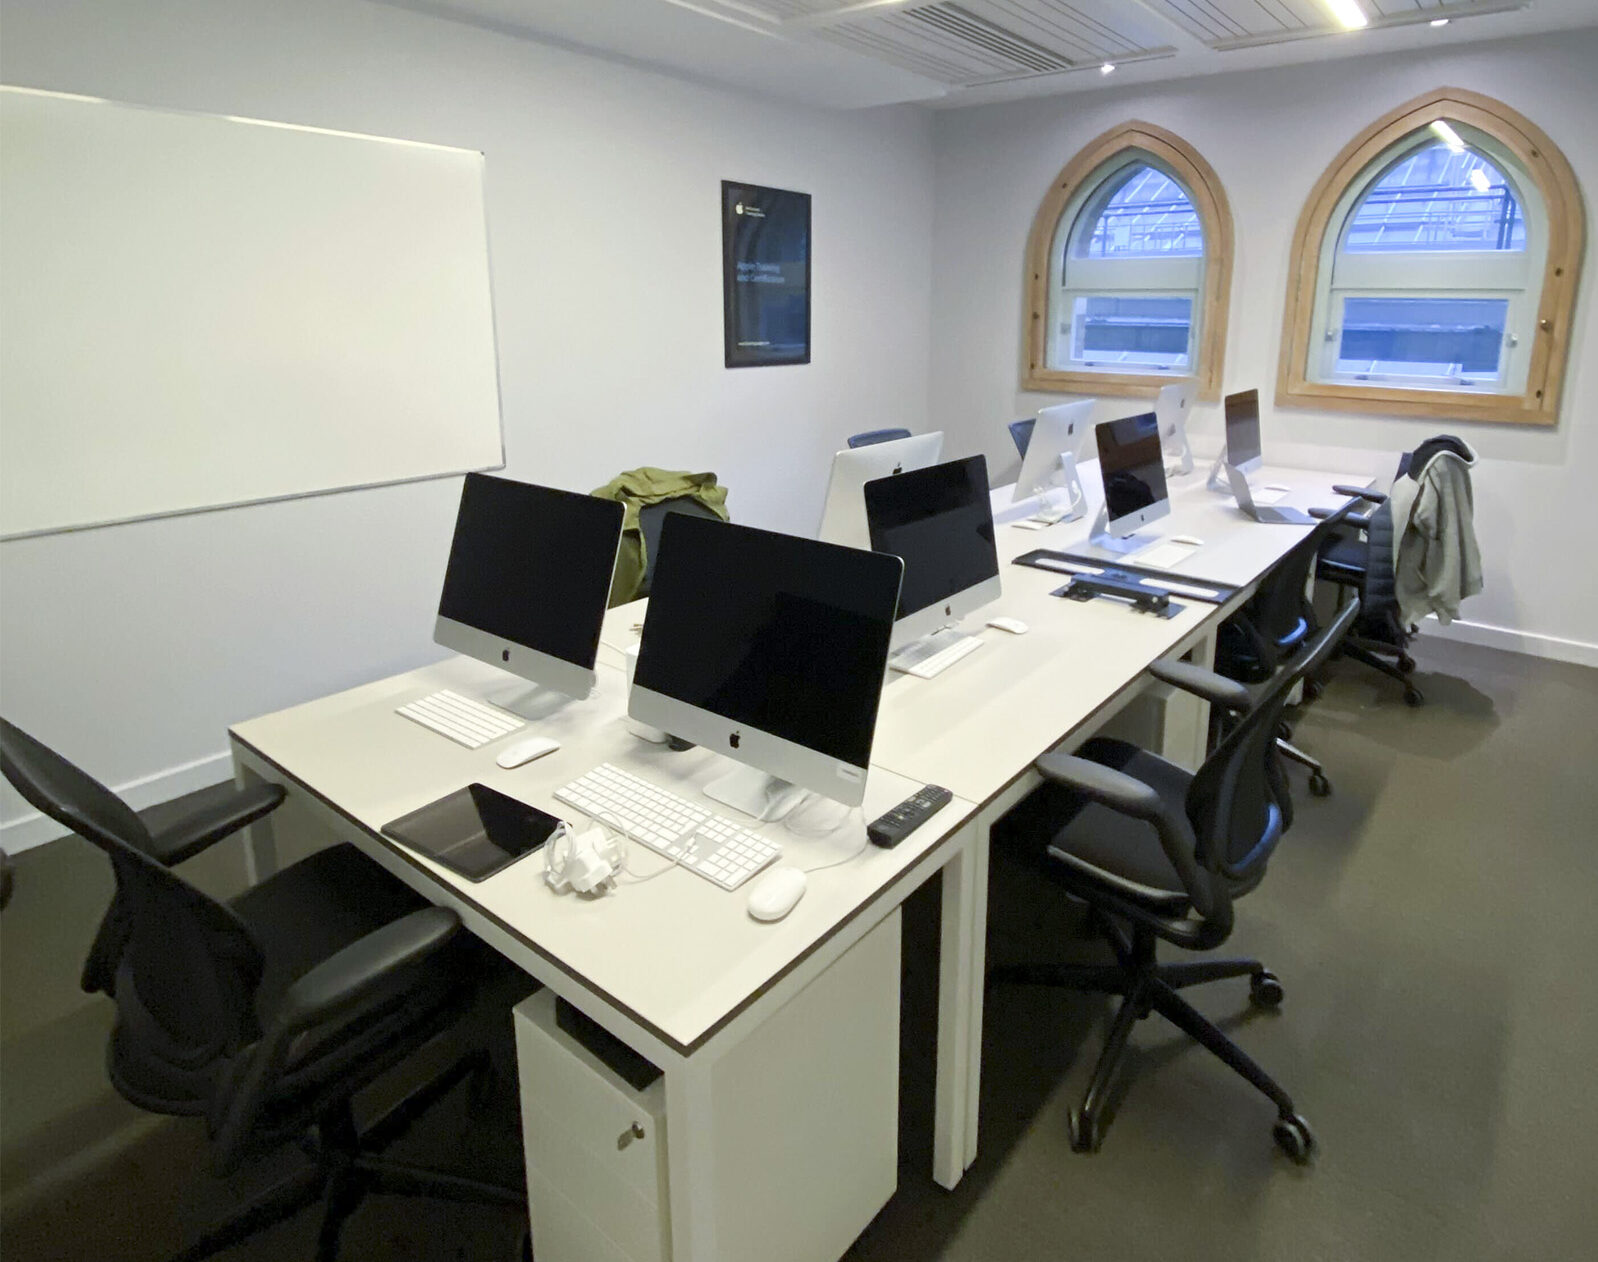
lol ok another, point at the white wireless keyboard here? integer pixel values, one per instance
(718, 849)
(934, 654)
(466, 722)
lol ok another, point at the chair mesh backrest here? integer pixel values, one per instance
(650, 519)
(1278, 608)
(1233, 801)
(182, 968)
(873, 436)
(1021, 433)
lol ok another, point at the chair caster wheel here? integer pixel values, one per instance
(1407, 665)
(1265, 989)
(1319, 785)
(1313, 689)
(1413, 698)
(1294, 1137)
(1086, 1134)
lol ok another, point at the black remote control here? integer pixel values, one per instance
(890, 829)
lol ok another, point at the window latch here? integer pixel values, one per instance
(1511, 340)
(1331, 335)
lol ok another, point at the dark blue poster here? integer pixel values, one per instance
(765, 275)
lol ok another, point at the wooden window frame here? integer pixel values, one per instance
(1215, 215)
(1541, 161)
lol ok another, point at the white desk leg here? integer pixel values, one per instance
(690, 1160)
(1185, 734)
(260, 843)
(985, 819)
(956, 981)
(979, 968)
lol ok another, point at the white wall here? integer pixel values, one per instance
(1270, 135)
(132, 647)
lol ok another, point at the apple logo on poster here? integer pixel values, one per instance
(734, 738)
(948, 611)
(898, 468)
(504, 655)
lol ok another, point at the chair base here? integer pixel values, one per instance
(1319, 785)
(1375, 654)
(348, 1167)
(1147, 986)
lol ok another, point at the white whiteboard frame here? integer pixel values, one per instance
(481, 463)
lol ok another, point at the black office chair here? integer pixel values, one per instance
(1021, 433)
(1267, 634)
(650, 518)
(873, 436)
(1159, 852)
(1358, 558)
(266, 1014)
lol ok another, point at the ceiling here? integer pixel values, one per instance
(850, 54)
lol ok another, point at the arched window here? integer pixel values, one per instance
(1436, 269)
(1129, 268)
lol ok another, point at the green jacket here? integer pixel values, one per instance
(638, 488)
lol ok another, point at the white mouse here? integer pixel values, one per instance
(774, 894)
(525, 751)
(1192, 541)
(1013, 625)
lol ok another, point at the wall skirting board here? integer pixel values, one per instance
(1531, 643)
(33, 829)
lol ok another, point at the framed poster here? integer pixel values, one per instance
(765, 275)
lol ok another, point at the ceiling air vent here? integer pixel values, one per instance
(980, 34)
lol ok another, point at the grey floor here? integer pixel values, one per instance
(1435, 923)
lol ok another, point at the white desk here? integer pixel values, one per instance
(673, 966)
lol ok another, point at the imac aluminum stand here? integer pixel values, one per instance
(1066, 481)
(1184, 458)
(755, 793)
(1218, 480)
(1101, 538)
(533, 702)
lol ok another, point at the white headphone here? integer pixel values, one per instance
(584, 862)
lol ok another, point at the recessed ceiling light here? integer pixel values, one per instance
(1107, 67)
(1439, 22)
(1348, 14)
(1448, 136)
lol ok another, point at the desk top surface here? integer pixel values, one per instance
(676, 952)
(988, 717)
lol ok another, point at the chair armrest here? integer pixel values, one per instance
(1114, 789)
(1361, 493)
(344, 979)
(1216, 689)
(1130, 796)
(192, 833)
(1356, 521)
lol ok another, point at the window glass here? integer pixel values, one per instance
(1438, 198)
(1422, 337)
(1147, 216)
(1116, 329)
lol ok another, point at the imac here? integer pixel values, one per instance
(527, 584)
(1050, 463)
(843, 520)
(1242, 451)
(1133, 469)
(770, 650)
(939, 522)
(1171, 406)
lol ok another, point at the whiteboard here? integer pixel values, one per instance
(198, 311)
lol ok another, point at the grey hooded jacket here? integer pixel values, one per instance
(1436, 562)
